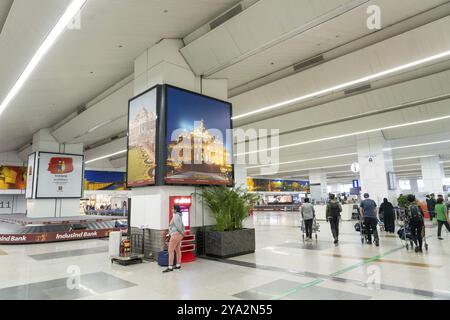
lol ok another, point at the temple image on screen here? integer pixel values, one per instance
(197, 150)
(208, 160)
(142, 141)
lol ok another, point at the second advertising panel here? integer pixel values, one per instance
(59, 175)
(142, 139)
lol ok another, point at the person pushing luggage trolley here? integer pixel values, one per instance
(369, 219)
(308, 223)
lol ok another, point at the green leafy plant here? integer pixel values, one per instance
(402, 201)
(228, 206)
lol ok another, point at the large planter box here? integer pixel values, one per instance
(229, 243)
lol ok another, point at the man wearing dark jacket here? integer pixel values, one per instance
(333, 215)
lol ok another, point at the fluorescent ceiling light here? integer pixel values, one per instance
(99, 126)
(71, 11)
(346, 85)
(307, 169)
(349, 134)
(106, 157)
(305, 160)
(418, 145)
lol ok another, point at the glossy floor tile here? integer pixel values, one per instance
(283, 267)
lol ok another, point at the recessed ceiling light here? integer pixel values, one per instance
(71, 11)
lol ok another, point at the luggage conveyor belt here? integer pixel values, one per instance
(22, 230)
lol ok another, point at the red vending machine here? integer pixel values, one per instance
(188, 244)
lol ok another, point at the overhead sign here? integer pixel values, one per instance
(355, 167)
(59, 175)
(355, 183)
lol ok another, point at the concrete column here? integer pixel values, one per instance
(375, 160)
(163, 64)
(433, 175)
(53, 208)
(318, 181)
(240, 176)
(414, 186)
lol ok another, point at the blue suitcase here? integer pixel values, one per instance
(163, 258)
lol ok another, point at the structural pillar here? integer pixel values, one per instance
(164, 64)
(43, 141)
(375, 161)
(433, 175)
(318, 180)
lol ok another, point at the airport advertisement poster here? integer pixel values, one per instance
(30, 176)
(268, 185)
(198, 151)
(59, 176)
(13, 178)
(142, 121)
(104, 181)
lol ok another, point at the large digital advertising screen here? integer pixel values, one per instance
(198, 151)
(59, 176)
(142, 122)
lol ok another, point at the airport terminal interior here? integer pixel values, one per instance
(224, 150)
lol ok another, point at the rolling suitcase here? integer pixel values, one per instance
(163, 258)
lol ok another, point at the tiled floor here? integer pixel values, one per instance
(283, 267)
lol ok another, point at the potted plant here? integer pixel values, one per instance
(229, 207)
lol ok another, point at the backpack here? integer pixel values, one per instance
(415, 214)
(335, 209)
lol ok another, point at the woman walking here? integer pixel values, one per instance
(387, 211)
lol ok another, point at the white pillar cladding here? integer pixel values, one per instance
(375, 160)
(240, 176)
(414, 184)
(163, 64)
(50, 208)
(433, 175)
(318, 180)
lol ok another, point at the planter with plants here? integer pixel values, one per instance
(229, 207)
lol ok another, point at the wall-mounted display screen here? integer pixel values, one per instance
(280, 199)
(59, 175)
(268, 185)
(198, 151)
(142, 122)
(104, 180)
(12, 177)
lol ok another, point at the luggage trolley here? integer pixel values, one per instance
(315, 228)
(405, 233)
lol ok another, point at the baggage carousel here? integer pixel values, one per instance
(19, 229)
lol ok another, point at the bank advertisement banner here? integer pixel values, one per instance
(13, 177)
(199, 151)
(142, 119)
(30, 176)
(104, 180)
(59, 176)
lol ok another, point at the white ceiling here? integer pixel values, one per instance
(63, 81)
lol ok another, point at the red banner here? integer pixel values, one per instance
(55, 236)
